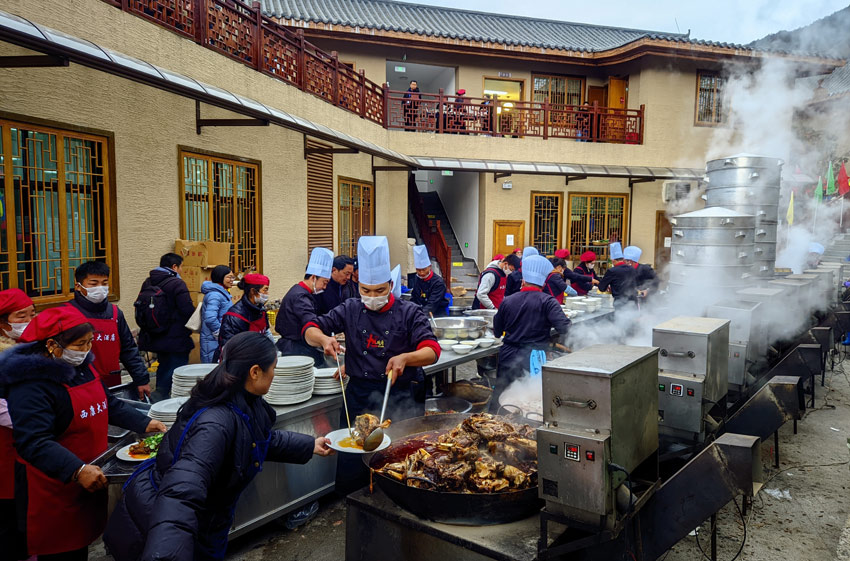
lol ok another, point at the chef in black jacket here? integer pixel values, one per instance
(340, 287)
(60, 411)
(429, 290)
(526, 320)
(621, 279)
(646, 280)
(515, 279)
(298, 310)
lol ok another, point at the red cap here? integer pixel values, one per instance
(13, 299)
(256, 279)
(517, 250)
(461, 92)
(51, 323)
(498, 257)
(587, 257)
(562, 253)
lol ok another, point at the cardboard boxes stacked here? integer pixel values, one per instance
(199, 259)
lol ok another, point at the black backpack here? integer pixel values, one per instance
(152, 310)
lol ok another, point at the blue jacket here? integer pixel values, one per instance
(217, 301)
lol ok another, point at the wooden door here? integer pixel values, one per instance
(617, 92)
(508, 235)
(597, 94)
(663, 238)
(613, 123)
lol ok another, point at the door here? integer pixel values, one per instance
(617, 92)
(508, 235)
(613, 123)
(597, 94)
(663, 238)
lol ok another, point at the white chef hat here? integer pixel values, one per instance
(815, 247)
(529, 251)
(420, 257)
(373, 257)
(321, 262)
(616, 250)
(396, 277)
(632, 253)
(535, 269)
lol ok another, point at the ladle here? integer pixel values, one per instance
(377, 436)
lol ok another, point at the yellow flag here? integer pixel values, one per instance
(789, 216)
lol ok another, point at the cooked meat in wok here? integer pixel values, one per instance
(483, 454)
(365, 424)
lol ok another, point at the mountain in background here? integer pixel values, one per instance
(829, 36)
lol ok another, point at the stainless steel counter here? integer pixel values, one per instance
(592, 317)
(450, 359)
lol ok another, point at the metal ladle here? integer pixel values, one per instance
(377, 436)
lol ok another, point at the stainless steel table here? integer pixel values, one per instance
(451, 360)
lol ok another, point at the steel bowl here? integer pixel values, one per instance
(443, 405)
(459, 327)
(486, 314)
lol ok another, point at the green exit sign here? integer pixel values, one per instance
(448, 172)
(465, 245)
(400, 69)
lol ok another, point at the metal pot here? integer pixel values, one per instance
(736, 197)
(723, 218)
(459, 328)
(743, 177)
(471, 509)
(769, 213)
(486, 314)
(765, 251)
(713, 274)
(725, 254)
(445, 405)
(765, 233)
(743, 161)
(713, 236)
(456, 311)
(763, 269)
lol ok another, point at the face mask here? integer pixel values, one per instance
(74, 358)
(591, 266)
(316, 291)
(262, 299)
(17, 330)
(97, 294)
(375, 303)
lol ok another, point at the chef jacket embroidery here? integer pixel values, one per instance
(372, 343)
(102, 337)
(91, 411)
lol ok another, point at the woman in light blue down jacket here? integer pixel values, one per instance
(217, 301)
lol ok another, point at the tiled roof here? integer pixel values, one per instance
(836, 83)
(462, 24)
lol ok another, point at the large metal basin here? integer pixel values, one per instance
(744, 177)
(762, 213)
(735, 197)
(743, 161)
(713, 236)
(459, 327)
(725, 254)
(484, 314)
(712, 274)
(714, 218)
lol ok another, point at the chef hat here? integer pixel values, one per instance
(12, 300)
(321, 262)
(52, 322)
(529, 251)
(256, 279)
(815, 247)
(396, 278)
(420, 257)
(587, 257)
(616, 250)
(535, 269)
(373, 255)
(562, 253)
(632, 253)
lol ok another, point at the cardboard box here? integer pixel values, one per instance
(202, 254)
(195, 354)
(195, 277)
(197, 298)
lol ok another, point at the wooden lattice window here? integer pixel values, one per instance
(320, 197)
(709, 105)
(356, 213)
(221, 202)
(558, 90)
(595, 221)
(546, 221)
(56, 208)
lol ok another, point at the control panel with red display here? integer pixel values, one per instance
(572, 452)
(677, 390)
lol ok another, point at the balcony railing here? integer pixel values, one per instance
(241, 32)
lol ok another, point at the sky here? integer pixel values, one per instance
(731, 21)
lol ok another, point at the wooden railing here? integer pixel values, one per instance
(431, 232)
(241, 32)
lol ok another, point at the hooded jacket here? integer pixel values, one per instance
(231, 325)
(217, 301)
(177, 339)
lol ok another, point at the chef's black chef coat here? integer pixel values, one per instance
(623, 282)
(297, 313)
(430, 294)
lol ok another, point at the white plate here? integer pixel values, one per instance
(325, 372)
(342, 433)
(293, 362)
(167, 406)
(124, 454)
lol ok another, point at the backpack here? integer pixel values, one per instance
(152, 310)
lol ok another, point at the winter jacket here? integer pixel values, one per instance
(334, 295)
(130, 357)
(231, 325)
(177, 339)
(6, 342)
(41, 411)
(514, 282)
(181, 508)
(430, 294)
(217, 301)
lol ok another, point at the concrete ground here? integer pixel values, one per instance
(801, 513)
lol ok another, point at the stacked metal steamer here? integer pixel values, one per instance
(750, 185)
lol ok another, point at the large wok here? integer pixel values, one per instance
(470, 509)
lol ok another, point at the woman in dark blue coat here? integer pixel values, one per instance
(179, 505)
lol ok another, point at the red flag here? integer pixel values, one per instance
(843, 181)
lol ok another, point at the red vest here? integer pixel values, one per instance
(106, 347)
(497, 293)
(7, 464)
(258, 325)
(558, 297)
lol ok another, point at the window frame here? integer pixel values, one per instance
(625, 228)
(61, 129)
(582, 90)
(229, 159)
(719, 75)
(560, 228)
(350, 180)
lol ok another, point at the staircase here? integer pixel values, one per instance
(838, 250)
(467, 274)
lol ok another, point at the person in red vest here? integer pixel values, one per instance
(61, 412)
(16, 312)
(585, 269)
(493, 281)
(113, 343)
(249, 313)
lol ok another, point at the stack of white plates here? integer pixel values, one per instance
(293, 380)
(185, 378)
(166, 410)
(325, 382)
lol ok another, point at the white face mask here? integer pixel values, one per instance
(317, 291)
(74, 358)
(375, 303)
(17, 330)
(96, 294)
(262, 299)
(591, 266)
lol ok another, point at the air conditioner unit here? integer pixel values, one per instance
(676, 190)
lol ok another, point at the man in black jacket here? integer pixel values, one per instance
(173, 344)
(113, 343)
(339, 288)
(429, 289)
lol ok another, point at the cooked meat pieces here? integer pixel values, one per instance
(365, 424)
(488, 427)
(514, 450)
(461, 437)
(516, 476)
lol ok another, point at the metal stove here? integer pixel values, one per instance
(747, 340)
(693, 376)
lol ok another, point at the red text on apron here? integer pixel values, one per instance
(106, 348)
(7, 464)
(63, 516)
(258, 325)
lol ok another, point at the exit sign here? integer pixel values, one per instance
(400, 69)
(448, 172)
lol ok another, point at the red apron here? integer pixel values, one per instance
(7, 464)
(63, 516)
(258, 325)
(497, 293)
(106, 347)
(558, 297)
